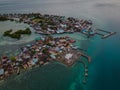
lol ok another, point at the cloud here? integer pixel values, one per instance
(106, 5)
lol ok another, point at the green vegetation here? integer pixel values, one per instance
(12, 58)
(44, 27)
(44, 22)
(26, 31)
(45, 50)
(3, 18)
(11, 20)
(33, 52)
(51, 23)
(17, 34)
(7, 33)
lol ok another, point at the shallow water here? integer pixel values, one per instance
(7, 25)
(104, 71)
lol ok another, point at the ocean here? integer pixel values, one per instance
(104, 71)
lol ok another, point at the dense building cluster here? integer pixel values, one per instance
(45, 49)
(53, 24)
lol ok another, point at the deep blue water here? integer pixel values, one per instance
(104, 71)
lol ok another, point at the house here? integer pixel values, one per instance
(4, 58)
(53, 56)
(68, 56)
(34, 61)
(60, 31)
(63, 25)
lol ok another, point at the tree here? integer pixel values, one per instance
(45, 50)
(18, 36)
(3, 18)
(7, 33)
(12, 58)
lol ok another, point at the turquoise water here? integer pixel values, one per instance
(104, 71)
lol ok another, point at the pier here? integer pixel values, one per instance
(105, 35)
(111, 33)
(85, 66)
(103, 30)
(87, 57)
(85, 71)
(100, 34)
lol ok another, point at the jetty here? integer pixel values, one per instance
(100, 34)
(111, 33)
(103, 36)
(87, 57)
(85, 66)
(85, 71)
(103, 31)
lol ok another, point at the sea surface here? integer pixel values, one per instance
(104, 71)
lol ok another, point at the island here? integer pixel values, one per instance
(17, 34)
(54, 24)
(46, 49)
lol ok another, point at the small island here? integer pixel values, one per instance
(48, 24)
(55, 24)
(17, 34)
(43, 51)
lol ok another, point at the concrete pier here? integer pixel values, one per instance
(87, 57)
(85, 71)
(100, 34)
(105, 35)
(103, 31)
(111, 33)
